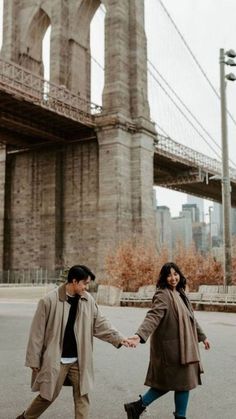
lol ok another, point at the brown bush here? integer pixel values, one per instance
(131, 265)
(198, 269)
(135, 263)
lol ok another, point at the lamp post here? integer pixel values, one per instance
(225, 181)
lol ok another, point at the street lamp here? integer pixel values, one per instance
(225, 181)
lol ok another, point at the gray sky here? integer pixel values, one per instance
(207, 26)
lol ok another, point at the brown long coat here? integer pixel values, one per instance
(161, 323)
(46, 339)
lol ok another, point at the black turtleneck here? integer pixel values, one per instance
(69, 349)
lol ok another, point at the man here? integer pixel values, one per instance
(61, 342)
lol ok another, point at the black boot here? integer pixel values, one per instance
(134, 409)
(179, 417)
(21, 416)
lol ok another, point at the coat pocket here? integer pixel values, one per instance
(171, 352)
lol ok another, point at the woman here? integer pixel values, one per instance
(174, 352)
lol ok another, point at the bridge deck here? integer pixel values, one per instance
(24, 124)
(34, 112)
(182, 169)
(39, 111)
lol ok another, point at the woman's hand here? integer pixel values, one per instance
(134, 341)
(207, 345)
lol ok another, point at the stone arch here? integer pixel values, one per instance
(31, 50)
(85, 14)
(79, 47)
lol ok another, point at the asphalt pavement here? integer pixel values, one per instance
(120, 373)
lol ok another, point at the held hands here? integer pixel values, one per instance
(134, 341)
(131, 342)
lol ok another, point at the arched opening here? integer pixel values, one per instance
(32, 55)
(97, 41)
(1, 23)
(89, 25)
(46, 54)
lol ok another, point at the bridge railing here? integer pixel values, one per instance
(167, 146)
(16, 79)
(30, 276)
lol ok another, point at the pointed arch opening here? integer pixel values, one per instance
(31, 56)
(46, 53)
(85, 43)
(97, 46)
(1, 23)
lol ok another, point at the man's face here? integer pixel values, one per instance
(81, 286)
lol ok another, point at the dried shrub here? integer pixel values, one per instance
(131, 265)
(135, 263)
(198, 269)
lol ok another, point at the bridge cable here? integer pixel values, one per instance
(184, 115)
(194, 58)
(186, 107)
(183, 104)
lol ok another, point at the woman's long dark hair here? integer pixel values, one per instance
(165, 272)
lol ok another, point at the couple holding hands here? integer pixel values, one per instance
(59, 350)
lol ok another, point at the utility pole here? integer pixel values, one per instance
(225, 181)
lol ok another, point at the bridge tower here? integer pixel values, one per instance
(71, 204)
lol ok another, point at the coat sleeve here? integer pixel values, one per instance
(154, 315)
(104, 330)
(36, 337)
(200, 334)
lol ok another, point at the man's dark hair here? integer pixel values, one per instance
(76, 272)
(88, 272)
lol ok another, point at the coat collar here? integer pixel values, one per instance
(63, 296)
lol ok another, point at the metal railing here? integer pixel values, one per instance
(168, 147)
(19, 81)
(30, 276)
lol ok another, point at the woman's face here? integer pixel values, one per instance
(173, 278)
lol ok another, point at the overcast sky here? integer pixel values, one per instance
(207, 26)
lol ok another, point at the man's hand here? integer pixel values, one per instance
(125, 342)
(35, 369)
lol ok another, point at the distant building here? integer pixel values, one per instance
(201, 236)
(191, 199)
(193, 210)
(217, 220)
(199, 229)
(182, 230)
(163, 218)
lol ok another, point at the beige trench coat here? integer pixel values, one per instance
(161, 323)
(46, 338)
